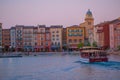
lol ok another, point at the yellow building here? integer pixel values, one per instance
(75, 35)
(89, 27)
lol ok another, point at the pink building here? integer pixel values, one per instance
(115, 33)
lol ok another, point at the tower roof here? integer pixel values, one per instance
(89, 14)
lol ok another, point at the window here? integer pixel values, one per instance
(53, 32)
(29, 43)
(53, 35)
(57, 38)
(89, 23)
(57, 35)
(55, 43)
(70, 40)
(46, 43)
(57, 31)
(58, 43)
(53, 39)
(80, 40)
(75, 40)
(69, 30)
(42, 44)
(35, 43)
(41, 38)
(52, 43)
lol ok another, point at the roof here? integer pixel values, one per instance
(56, 26)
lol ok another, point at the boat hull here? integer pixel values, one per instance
(88, 60)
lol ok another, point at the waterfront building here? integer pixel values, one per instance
(47, 39)
(101, 35)
(28, 42)
(41, 37)
(114, 34)
(19, 37)
(64, 39)
(56, 37)
(35, 37)
(89, 28)
(6, 39)
(75, 35)
(0, 37)
(13, 38)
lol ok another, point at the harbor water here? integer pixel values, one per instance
(58, 67)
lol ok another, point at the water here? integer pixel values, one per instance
(58, 67)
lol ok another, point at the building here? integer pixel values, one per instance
(35, 37)
(114, 32)
(47, 39)
(56, 37)
(13, 38)
(6, 39)
(75, 35)
(64, 39)
(41, 37)
(89, 28)
(19, 37)
(101, 35)
(0, 37)
(28, 42)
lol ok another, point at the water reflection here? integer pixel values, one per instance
(57, 67)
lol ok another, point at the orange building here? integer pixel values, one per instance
(6, 39)
(41, 37)
(75, 35)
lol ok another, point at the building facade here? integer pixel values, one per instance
(6, 39)
(89, 28)
(64, 39)
(28, 42)
(75, 35)
(47, 39)
(56, 37)
(0, 37)
(114, 34)
(35, 37)
(19, 37)
(41, 37)
(102, 35)
(13, 38)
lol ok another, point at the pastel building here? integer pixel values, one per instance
(13, 38)
(101, 35)
(19, 37)
(89, 27)
(41, 37)
(6, 39)
(64, 39)
(115, 33)
(35, 37)
(28, 42)
(0, 37)
(56, 37)
(75, 35)
(47, 39)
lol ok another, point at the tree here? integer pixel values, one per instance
(94, 44)
(119, 47)
(80, 45)
(88, 44)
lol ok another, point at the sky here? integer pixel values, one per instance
(56, 12)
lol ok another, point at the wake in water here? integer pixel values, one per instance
(113, 65)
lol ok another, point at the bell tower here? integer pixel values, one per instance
(89, 18)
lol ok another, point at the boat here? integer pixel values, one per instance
(10, 56)
(93, 54)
